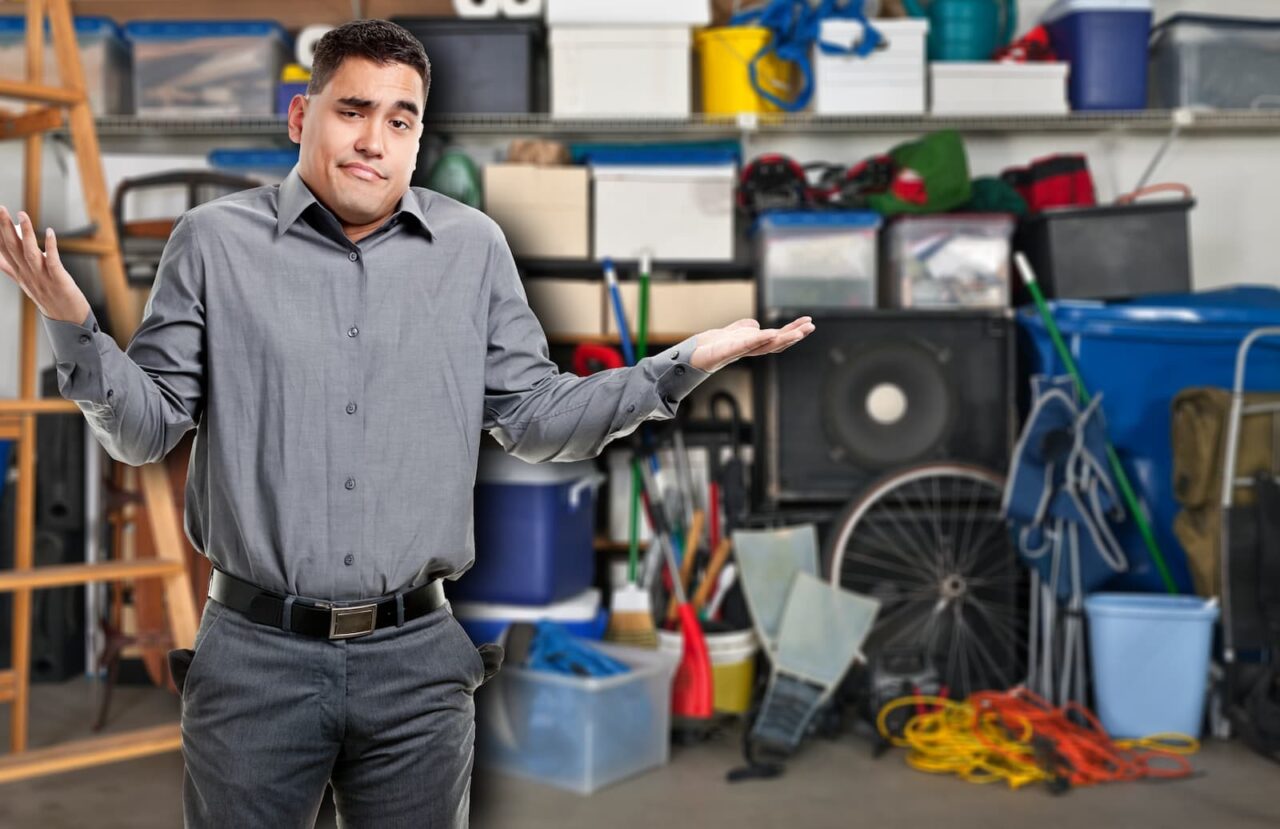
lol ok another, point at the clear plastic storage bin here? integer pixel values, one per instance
(949, 261)
(813, 259)
(1219, 62)
(578, 733)
(104, 56)
(213, 69)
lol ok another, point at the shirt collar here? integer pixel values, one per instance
(295, 197)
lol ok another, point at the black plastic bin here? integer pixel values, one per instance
(1112, 252)
(482, 66)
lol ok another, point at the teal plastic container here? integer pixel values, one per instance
(1150, 656)
(966, 30)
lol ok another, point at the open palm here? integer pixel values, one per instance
(745, 338)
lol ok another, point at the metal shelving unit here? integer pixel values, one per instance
(708, 126)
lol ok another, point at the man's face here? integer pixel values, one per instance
(359, 138)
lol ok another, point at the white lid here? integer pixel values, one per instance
(673, 36)
(906, 26)
(995, 69)
(497, 467)
(628, 12)
(581, 608)
(669, 172)
(1062, 8)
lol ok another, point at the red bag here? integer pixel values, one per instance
(1053, 181)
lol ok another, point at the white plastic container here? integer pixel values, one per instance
(628, 12)
(990, 88)
(818, 259)
(104, 57)
(889, 81)
(620, 71)
(674, 212)
(578, 733)
(581, 615)
(949, 261)
(206, 68)
(1215, 62)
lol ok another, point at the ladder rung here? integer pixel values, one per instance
(79, 754)
(43, 405)
(40, 92)
(20, 125)
(10, 428)
(70, 575)
(91, 246)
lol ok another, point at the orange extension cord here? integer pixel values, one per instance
(1020, 738)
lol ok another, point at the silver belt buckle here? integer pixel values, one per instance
(349, 622)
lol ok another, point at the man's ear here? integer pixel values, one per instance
(297, 111)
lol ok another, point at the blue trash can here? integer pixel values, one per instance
(1150, 657)
(1139, 355)
(1105, 41)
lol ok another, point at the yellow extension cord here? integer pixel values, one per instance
(952, 740)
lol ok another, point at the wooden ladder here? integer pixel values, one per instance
(49, 108)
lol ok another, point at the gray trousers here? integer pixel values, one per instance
(270, 717)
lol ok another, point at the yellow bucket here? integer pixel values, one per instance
(725, 56)
(733, 681)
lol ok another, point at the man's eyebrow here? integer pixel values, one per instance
(365, 103)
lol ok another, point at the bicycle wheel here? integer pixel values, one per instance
(931, 543)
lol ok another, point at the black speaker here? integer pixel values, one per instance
(60, 456)
(872, 391)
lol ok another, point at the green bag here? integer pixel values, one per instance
(931, 176)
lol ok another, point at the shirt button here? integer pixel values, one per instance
(679, 371)
(353, 331)
(110, 392)
(349, 560)
(351, 408)
(84, 338)
(353, 256)
(95, 328)
(350, 484)
(631, 408)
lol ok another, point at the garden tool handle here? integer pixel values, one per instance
(1168, 187)
(686, 566)
(709, 581)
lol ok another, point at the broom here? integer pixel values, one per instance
(631, 618)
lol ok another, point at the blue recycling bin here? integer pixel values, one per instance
(1139, 355)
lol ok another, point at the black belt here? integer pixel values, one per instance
(326, 620)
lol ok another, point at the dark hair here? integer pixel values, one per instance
(380, 41)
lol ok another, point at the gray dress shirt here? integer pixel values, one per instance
(339, 390)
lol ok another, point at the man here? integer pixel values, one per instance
(339, 342)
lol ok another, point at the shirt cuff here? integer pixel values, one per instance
(77, 357)
(676, 375)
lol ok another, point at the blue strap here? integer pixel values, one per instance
(796, 28)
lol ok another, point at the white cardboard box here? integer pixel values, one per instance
(671, 212)
(629, 12)
(889, 81)
(544, 211)
(990, 88)
(687, 307)
(620, 71)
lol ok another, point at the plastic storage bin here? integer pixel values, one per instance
(1209, 61)
(672, 211)
(818, 259)
(724, 58)
(1105, 41)
(628, 12)
(581, 615)
(1112, 252)
(998, 88)
(482, 66)
(5, 447)
(1138, 356)
(620, 71)
(268, 166)
(578, 733)
(948, 261)
(888, 81)
(533, 531)
(294, 80)
(213, 68)
(1150, 657)
(104, 56)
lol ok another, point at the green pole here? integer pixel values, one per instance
(1122, 479)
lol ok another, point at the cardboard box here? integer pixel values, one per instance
(687, 307)
(544, 211)
(567, 307)
(671, 212)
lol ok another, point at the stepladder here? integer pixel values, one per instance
(65, 107)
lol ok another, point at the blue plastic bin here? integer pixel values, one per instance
(4, 465)
(1139, 355)
(1105, 41)
(534, 531)
(1150, 657)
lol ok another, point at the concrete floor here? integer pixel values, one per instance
(830, 784)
